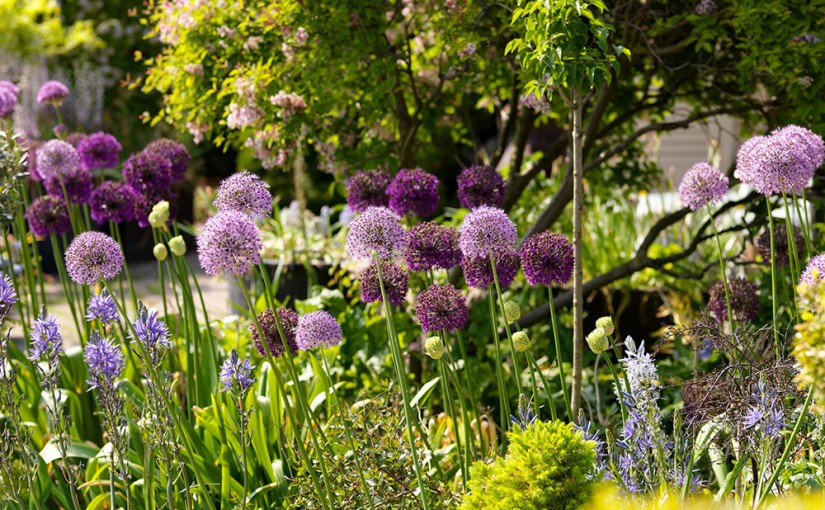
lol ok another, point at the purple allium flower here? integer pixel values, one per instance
(230, 242)
(442, 307)
(10, 87)
(236, 371)
(46, 339)
(73, 139)
(274, 342)
(780, 244)
(148, 172)
(368, 188)
(8, 102)
(479, 273)
(810, 143)
(102, 308)
(814, 271)
(430, 245)
(93, 256)
(396, 281)
(481, 185)
(318, 329)
(775, 164)
(77, 185)
(702, 185)
(547, 259)
(414, 192)
(8, 296)
(172, 151)
(52, 92)
(105, 362)
(247, 193)
(377, 231)
(112, 201)
(766, 414)
(487, 230)
(744, 300)
(99, 150)
(57, 157)
(48, 215)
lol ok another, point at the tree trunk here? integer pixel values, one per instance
(578, 215)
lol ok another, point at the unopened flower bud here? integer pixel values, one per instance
(512, 312)
(434, 347)
(159, 215)
(606, 323)
(178, 246)
(521, 341)
(160, 252)
(597, 341)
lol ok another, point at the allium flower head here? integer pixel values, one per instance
(112, 201)
(478, 272)
(396, 281)
(442, 307)
(487, 230)
(702, 185)
(99, 150)
(430, 246)
(151, 332)
(230, 242)
(775, 164)
(48, 215)
(236, 373)
(52, 92)
(93, 256)
(810, 143)
(56, 157)
(597, 340)
(547, 259)
(247, 193)
(8, 102)
(172, 151)
(105, 362)
(780, 244)
(481, 185)
(147, 172)
(77, 185)
(274, 342)
(814, 271)
(46, 340)
(521, 341)
(434, 347)
(414, 192)
(102, 308)
(744, 300)
(606, 323)
(377, 231)
(318, 329)
(368, 188)
(10, 87)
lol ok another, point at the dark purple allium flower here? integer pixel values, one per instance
(702, 185)
(77, 185)
(547, 259)
(72, 139)
(152, 333)
(93, 256)
(775, 164)
(780, 242)
(112, 201)
(99, 150)
(46, 339)
(479, 273)
(744, 300)
(147, 200)
(274, 342)
(377, 231)
(236, 374)
(8, 102)
(8, 296)
(318, 329)
(10, 87)
(105, 362)
(487, 230)
(57, 157)
(811, 143)
(52, 92)
(48, 215)
(247, 193)
(442, 307)
(396, 281)
(814, 271)
(481, 185)
(766, 414)
(230, 242)
(102, 308)
(414, 192)
(148, 172)
(174, 152)
(430, 245)
(368, 188)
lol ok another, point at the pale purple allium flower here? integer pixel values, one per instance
(702, 185)
(148, 172)
(811, 143)
(318, 329)
(547, 259)
(152, 333)
(174, 152)
(77, 185)
(102, 308)
(814, 271)
(430, 246)
(376, 232)
(288, 320)
(368, 188)
(478, 272)
(112, 201)
(230, 242)
(236, 374)
(485, 231)
(442, 308)
(46, 339)
(48, 215)
(415, 192)
(93, 256)
(56, 157)
(744, 300)
(247, 193)
(481, 185)
(766, 414)
(780, 244)
(8, 102)
(10, 87)
(779, 163)
(396, 281)
(52, 92)
(99, 150)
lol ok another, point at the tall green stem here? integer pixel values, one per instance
(513, 352)
(503, 404)
(721, 265)
(559, 360)
(774, 296)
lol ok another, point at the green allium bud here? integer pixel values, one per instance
(521, 341)
(159, 215)
(512, 312)
(177, 245)
(606, 323)
(160, 252)
(597, 341)
(434, 347)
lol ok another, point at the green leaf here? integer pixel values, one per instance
(50, 452)
(424, 393)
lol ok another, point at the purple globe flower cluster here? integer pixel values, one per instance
(52, 92)
(547, 259)
(9, 94)
(98, 151)
(48, 215)
(414, 192)
(487, 231)
(430, 246)
(229, 242)
(245, 192)
(152, 172)
(782, 162)
(814, 271)
(478, 272)
(780, 244)
(317, 329)
(114, 202)
(92, 257)
(481, 185)
(377, 232)
(55, 158)
(702, 185)
(442, 308)
(396, 283)
(288, 320)
(744, 300)
(368, 188)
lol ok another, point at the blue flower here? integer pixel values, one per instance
(235, 370)
(46, 339)
(152, 333)
(102, 308)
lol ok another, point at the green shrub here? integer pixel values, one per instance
(546, 467)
